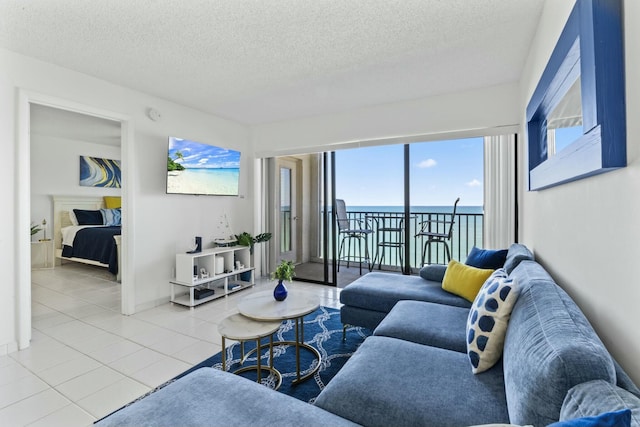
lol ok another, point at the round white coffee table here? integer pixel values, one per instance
(240, 328)
(261, 306)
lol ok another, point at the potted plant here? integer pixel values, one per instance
(35, 229)
(284, 271)
(246, 239)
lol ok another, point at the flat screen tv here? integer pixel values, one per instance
(197, 168)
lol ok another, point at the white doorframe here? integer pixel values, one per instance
(23, 203)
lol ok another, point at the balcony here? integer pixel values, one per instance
(467, 232)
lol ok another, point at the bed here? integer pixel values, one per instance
(94, 245)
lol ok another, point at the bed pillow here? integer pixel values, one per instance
(72, 218)
(87, 217)
(488, 320)
(486, 258)
(464, 280)
(111, 217)
(112, 202)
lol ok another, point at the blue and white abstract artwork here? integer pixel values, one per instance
(97, 172)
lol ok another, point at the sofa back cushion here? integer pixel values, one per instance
(549, 348)
(596, 397)
(515, 255)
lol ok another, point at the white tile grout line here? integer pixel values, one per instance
(261, 282)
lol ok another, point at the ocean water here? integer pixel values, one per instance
(467, 230)
(418, 209)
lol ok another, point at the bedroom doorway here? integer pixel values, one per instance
(26, 158)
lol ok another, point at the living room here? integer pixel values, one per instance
(583, 232)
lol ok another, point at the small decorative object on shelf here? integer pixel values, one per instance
(284, 271)
(44, 231)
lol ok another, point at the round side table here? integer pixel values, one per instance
(240, 328)
(262, 307)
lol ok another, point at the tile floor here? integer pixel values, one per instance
(87, 360)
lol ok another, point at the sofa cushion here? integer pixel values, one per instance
(433, 272)
(621, 418)
(549, 348)
(624, 381)
(426, 323)
(194, 400)
(391, 382)
(515, 255)
(488, 320)
(381, 291)
(487, 258)
(464, 280)
(598, 396)
(529, 273)
(350, 315)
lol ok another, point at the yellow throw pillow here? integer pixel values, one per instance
(464, 280)
(112, 202)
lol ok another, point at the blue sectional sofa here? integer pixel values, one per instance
(414, 369)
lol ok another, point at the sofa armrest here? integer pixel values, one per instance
(208, 396)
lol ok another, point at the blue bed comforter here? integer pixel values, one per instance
(96, 244)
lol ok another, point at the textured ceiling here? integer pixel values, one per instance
(261, 61)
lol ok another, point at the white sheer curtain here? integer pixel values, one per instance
(499, 191)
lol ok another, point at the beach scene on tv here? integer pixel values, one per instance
(197, 168)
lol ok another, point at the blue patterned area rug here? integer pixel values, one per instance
(322, 330)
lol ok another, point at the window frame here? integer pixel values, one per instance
(590, 46)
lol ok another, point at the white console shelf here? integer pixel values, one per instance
(221, 274)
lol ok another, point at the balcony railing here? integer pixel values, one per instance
(467, 232)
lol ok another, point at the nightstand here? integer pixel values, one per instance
(42, 254)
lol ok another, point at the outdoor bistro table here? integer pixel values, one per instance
(389, 234)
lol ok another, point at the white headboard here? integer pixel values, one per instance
(61, 207)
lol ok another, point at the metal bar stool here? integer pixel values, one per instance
(349, 233)
(437, 236)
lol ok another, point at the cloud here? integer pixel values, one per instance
(474, 183)
(429, 163)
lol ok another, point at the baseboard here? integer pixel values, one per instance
(152, 304)
(11, 347)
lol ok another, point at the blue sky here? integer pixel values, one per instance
(198, 155)
(440, 172)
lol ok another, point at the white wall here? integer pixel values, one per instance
(480, 112)
(586, 233)
(55, 170)
(164, 224)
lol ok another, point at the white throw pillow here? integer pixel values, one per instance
(488, 320)
(72, 217)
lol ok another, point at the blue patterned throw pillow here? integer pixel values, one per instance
(111, 217)
(488, 320)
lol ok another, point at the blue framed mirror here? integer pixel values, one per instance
(576, 124)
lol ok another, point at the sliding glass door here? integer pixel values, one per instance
(440, 173)
(304, 219)
(389, 193)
